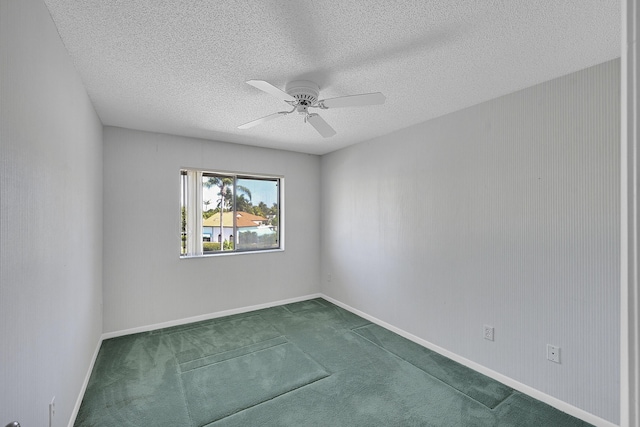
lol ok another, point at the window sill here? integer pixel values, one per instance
(231, 253)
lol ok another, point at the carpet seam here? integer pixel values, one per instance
(205, 323)
(353, 330)
(179, 372)
(324, 368)
(247, 354)
(229, 351)
(226, 360)
(265, 401)
(504, 400)
(199, 347)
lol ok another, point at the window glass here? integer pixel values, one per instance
(257, 213)
(223, 212)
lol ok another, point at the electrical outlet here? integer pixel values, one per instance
(553, 353)
(328, 277)
(488, 332)
(52, 410)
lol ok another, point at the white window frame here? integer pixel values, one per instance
(192, 199)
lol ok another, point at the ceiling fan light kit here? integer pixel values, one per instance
(304, 94)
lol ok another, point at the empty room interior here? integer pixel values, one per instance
(312, 213)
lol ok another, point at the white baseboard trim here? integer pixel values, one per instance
(178, 322)
(76, 408)
(530, 391)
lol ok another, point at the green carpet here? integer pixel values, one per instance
(475, 385)
(303, 364)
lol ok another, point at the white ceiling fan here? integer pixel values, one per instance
(302, 95)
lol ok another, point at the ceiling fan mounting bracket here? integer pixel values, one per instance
(304, 91)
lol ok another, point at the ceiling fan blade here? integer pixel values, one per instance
(271, 90)
(321, 126)
(263, 119)
(354, 100)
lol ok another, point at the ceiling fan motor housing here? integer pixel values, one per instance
(305, 91)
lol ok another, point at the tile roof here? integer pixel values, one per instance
(243, 219)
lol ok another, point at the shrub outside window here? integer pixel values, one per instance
(227, 212)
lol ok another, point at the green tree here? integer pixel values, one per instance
(226, 187)
(243, 205)
(273, 214)
(206, 213)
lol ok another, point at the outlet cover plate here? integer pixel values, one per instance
(488, 332)
(553, 353)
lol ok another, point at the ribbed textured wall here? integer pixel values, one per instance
(505, 213)
(145, 280)
(50, 220)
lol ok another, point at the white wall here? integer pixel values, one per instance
(146, 282)
(50, 220)
(505, 213)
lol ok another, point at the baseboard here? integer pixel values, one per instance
(178, 322)
(76, 408)
(530, 391)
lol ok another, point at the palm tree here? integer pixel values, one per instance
(226, 185)
(242, 204)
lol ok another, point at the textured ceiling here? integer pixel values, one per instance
(180, 66)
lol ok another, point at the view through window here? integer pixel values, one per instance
(222, 212)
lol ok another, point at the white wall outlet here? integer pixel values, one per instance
(553, 353)
(328, 277)
(52, 410)
(488, 332)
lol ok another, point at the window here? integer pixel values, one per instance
(225, 212)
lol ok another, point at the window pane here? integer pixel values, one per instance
(257, 214)
(217, 213)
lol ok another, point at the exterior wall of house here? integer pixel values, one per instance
(50, 221)
(215, 232)
(505, 214)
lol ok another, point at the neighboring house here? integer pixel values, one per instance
(244, 221)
